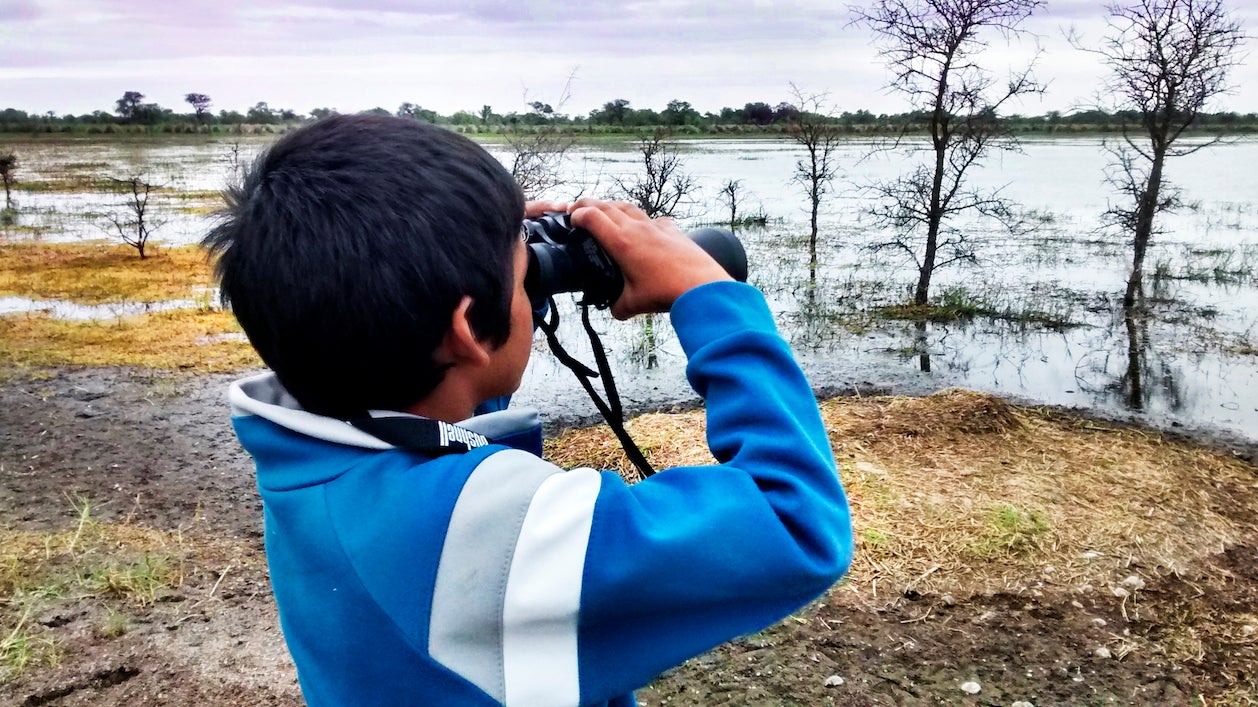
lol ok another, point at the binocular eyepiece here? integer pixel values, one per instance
(563, 258)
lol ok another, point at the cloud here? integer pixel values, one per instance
(452, 54)
(1073, 10)
(76, 30)
(18, 11)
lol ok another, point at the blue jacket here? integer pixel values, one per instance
(494, 577)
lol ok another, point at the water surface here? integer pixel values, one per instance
(1191, 363)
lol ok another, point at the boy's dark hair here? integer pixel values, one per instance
(347, 247)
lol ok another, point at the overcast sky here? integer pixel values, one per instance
(76, 56)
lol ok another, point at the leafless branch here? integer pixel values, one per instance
(134, 224)
(1167, 60)
(933, 48)
(662, 186)
(538, 151)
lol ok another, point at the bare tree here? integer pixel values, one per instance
(932, 47)
(237, 160)
(8, 170)
(538, 151)
(659, 190)
(731, 193)
(662, 186)
(135, 223)
(1167, 60)
(811, 126)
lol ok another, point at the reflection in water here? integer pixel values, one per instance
(646, 350)
(1137, 346)
(1128, 361)
(1149, 381)
(919, 342)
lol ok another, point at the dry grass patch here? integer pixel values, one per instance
(96, 274)
(126, 566)
(975, 495)
(962, 493)
(181, 339)
(73, 184)
(667, 440)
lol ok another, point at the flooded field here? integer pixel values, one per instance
(1045, 323)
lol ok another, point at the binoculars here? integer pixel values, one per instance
(563, 258)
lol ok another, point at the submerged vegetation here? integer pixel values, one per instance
(959, 304)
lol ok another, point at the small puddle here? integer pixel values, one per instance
(72, 311)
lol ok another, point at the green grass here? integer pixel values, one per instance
(116, 624)
(1012, 530)
(874, 538)
(141, 580)
(959, 304)
(119, 564)
(24, 647)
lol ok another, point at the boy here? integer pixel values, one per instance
(377, 266)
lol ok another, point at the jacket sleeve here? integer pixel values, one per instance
(572, 588)
(694, 556)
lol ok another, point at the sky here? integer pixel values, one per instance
(78, 56)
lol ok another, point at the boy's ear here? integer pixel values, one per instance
(460, 345)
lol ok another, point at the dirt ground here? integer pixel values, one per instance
(156, 451)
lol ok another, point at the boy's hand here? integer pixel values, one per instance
(658, 261)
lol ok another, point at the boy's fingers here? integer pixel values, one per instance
(599, 220)
(587, 201)
(534, 209)
(631, 211)
(619, 211)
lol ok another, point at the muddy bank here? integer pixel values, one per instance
(154, 447)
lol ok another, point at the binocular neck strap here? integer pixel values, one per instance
(610, 409)
(420, 434)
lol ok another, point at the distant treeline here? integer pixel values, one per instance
(132, 116)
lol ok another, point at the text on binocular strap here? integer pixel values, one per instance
(454, 434)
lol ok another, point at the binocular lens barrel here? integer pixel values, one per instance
(725, 249)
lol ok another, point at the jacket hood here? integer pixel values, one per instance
(263, 396)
